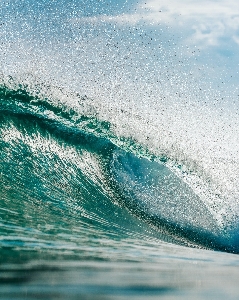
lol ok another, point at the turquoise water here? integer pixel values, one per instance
(118, 150)
(83, 214)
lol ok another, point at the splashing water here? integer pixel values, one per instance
(119, 154)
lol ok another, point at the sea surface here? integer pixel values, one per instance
(118, 150)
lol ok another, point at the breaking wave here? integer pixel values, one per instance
(65, 159)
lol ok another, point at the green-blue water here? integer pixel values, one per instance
(84, 215)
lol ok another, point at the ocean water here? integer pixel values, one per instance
(118, 150)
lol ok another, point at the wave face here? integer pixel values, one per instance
(65, 170)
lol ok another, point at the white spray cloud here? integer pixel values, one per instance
(121, 19)
(206, 22)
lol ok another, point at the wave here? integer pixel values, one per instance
(58, 151)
